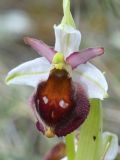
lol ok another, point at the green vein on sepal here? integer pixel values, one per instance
(94, 81)
(16, 75)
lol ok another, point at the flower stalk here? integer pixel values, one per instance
(90, 138)
(70, 146)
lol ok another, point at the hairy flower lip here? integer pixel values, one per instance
(72, 119)
(50, 98)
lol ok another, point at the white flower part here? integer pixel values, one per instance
(29, 73)
(110, 142)
(65, 158)
(67, 39)
(92, 79)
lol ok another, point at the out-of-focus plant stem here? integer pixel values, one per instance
(70, 149)
(90, 139)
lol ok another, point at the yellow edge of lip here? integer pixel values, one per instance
(49, 132)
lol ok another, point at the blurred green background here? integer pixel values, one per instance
(99, 23)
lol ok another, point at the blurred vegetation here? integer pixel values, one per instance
(99, 23)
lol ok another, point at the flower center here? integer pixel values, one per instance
(58, 61)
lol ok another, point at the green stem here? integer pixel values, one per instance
(70, 146)
(90, 139)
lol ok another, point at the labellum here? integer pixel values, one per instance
(61, 104)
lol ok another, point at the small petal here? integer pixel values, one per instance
(83, 56)
(29, 73)
(110, 146)
(40, 47)
(67, 39)
(92, 79)
(64, 107)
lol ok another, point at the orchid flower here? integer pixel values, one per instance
(68, 90)
(63, 78)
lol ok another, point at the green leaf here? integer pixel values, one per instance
(90, 139)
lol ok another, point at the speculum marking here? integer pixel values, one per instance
(45, 99)
(63, 104)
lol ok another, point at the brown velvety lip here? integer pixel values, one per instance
(60, 103)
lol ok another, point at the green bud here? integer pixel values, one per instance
(67, 18)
